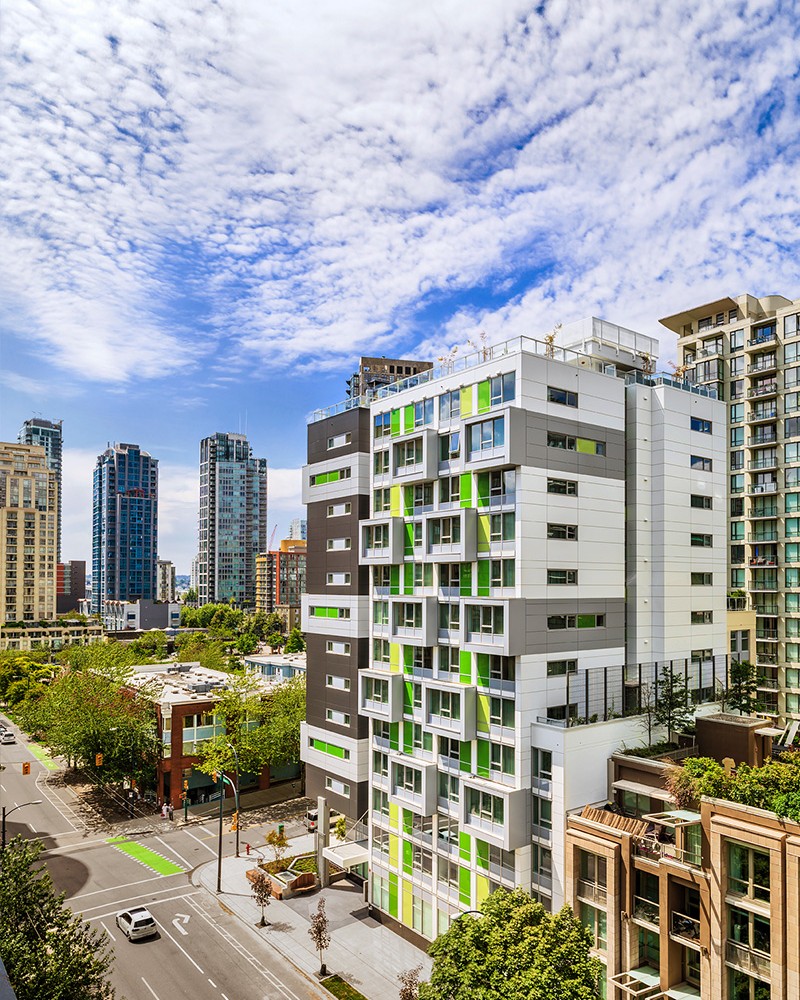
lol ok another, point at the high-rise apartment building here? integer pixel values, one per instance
(125, 526)
(748, 350)
(375, 373)
(298, 528)
(233, 519)
(28, 530)
(70, 585)
(281, 580)
(544, 536)
(48, 435)
(165, 584)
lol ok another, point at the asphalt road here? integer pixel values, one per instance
(202, 952)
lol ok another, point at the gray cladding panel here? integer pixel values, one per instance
(319, 697)
(541, 641)
(354, 807)
(355, 422)
(321, 562)
(611, 465)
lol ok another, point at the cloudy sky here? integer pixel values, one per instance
(210, 209)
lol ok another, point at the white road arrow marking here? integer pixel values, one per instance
(181, 918)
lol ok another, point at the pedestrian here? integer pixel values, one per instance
(164, 811)
(171, 811)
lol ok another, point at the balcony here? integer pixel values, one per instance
(757, 440)
(767, 659)
(765, 510)
(452, 538)
(737, 604)
(756, 489)
(592, 892)
(768, 389)
(758, 562)
(763, 462)
(508, 826)
(414, 620)
(450, 709)
(382, 541)
(767, 337)
(497, 500)
(712, 351)
(413, 784)
(767, 364)
(768, 684)
(767, 633)
(386, 690)
(645, 910)
(766, 608)
(682, 926)
(759, 414)
(765, 586)
(770, 535)
(744, 958)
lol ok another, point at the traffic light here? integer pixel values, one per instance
(214, 777)
(185, 784)
(26, 767)
(98, 760)
(234, 822)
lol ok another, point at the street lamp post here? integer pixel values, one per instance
(236, 793)
(223, 778)
(35, 802)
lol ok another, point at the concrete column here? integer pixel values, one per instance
(323, 839)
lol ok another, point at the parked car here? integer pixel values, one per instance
(136, 923)
(8, 737)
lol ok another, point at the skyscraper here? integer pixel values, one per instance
(233, 519)
(298, 528)
(28, 506)
(125, 526)
(47, 434)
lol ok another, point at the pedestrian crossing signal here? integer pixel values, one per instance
(234, 822)
(98, 760)
(26, 767)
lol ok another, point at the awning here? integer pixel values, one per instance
(623, 785)
(348, 854)
(642, 983)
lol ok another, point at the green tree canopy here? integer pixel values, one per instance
(49, 954)
(742, 693)
(515, 950)
(672, 701)
(295, 643)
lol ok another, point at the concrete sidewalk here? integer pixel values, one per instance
(363, 952)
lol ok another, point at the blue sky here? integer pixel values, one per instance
(210, 210)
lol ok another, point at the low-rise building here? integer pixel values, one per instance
(50, 635)
(276, 666)
(122, 615)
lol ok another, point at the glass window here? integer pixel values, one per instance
(702, 502)
(748, 872)
(502, 388)
(566, 531)
(699, 462)
(563, 487)
(563, 396)
(698, 424)
(562, 576)
(486, 435)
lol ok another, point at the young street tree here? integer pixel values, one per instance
(261, 887)
(515, 950)
(409, 983)
(743, 687)
(319, 931)
(49, 954)
(672, 702)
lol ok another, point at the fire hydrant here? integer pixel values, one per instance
(247, 848)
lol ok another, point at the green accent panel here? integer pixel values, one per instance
(465, 847)
(395, 423)
(408, 659)
(150, 859)
(465, 756)
(394, 501)
(483, 669)
(408, 697)
(408, 418)
(408, 903)
(482, 713)
(329, 748)
(466, 401)
(333, 477)
(408, 820)
(484, 758)
(465, 487)
(394, 816)
(392, 895)
(409, 541)
(484, 532)
(482, 854)
(394, 845)
(43, 757)
(466, 579)
(484, 577)
(394, 735)
(408, 738)
(481, 889)
(585, 446)
(408, 500)
(408, 578)
(394, 657)
(394, 579)
(408, 857)
(465, 667)
(464, 885)
(484, 396)
(483, 489)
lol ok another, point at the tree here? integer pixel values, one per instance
(319, 932)
(409, 983)
(247, 643)
(672, 702)
(340, 828)
(295, 643)
(515, 950)
(261, 887)
(275, 623)
(190, 597)
(278, 843)
(284, 709)
(647, 707)
(743, 687)
(49, 953)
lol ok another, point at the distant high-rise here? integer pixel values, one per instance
(70, 585)
(374, 373)
(298, 528)
(125, 526)
(47, 434)
(165, 587)
(233, 519)
(28, 514)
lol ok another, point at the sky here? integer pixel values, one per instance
(210, 210)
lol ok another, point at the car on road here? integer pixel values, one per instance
(136, 923)
(8, 737)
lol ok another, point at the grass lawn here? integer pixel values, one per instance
(341, 989)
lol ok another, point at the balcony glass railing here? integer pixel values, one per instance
(748, 959)
(655, 850)
(591, 891)
(757, 488)
(646, 910)
(759, 414)
(764, 511)
(771, 535)
(759, 439)
(770, 389)
(683, 926)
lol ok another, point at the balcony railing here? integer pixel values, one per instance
(685, 927)
(768, 683)
(770, 511)
(770, 389)
(764, 536)
(758, 439)
(737, 604)
(763, 338)
(655, 850)
(770, 462)
(766, 608)
(745, 958)
(757, 488)
(592, 892)
(645, 909)
(762, 366)
(770, 659)
(764, 585)
(766, 633)
(763, 561)
(759, 414)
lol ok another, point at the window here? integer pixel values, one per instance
(450, 405)
(542, 763)
(337, 683)
(339, 787)
(736, 413)
(698, 424)
(408, 615)
(502, 388)
(337, 648)
(450, 490)
(339, 441)
(381, 500)
(408, 453)
(383, 425)
(501, 758)
(380, 802)
(791, 427)
(445, 531)
(423, 412)
(749, 929)
(698, 462)
(702, 579)
(560, 668)
(449, 617)
(338, 718)
(702, 617)
(338, 544)
(594, 920)
(562, 576)
(380, 462)
(501, 668)
(380, 613)
(376, 536)
(748, 872)
(563, 487)
(737, 437)
(562, 396)
(447, 828)
(448, 788)
(484, 806)
(501, 712)
(321, 478)
(566, 531)
(502, 527)
(339, 509)
(737, 459)
(324, 612)
(337, 579)
(701, 502)
(449, 657)
(542, 812)
(737, 336)
(407, 779)
(701, 541)
(585, 446)
(501, 573)
(556, 622)
(487, 435)
(445, 704)
(449, 446)
(486, 619)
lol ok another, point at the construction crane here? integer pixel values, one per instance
(272, 538)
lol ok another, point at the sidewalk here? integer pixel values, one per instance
(363, 952)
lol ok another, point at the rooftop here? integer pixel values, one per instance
(183, 683)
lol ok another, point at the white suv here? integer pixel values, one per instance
(136, 923)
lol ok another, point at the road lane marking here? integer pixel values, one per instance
(180, 946)
(201, 842)
(108, 931)
(181, 919)
(146, 856)
(111, 888)
(43, 757)
(180, 858)
(44, 789)
(132, 899)
(212, 983)
(150, 988)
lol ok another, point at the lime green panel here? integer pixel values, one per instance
(465, 487)
(465, 756)
(482, 713)
(408, 659)
(483, 669)
(394, 848)
(394, 736)
(408, 698)
(465, 667)
(464, 885)
(427, 575)
(409, 539)
(484, 396)
(484, 577)
(482, 854)
(408, 857)
(484, 532)
(408, 418)
(408, 500)
(408, 737)
(466, 401)
(395, 423)
(392, 895)
(394, 657)
(394, 816)
(481, 889)
(394, 501)
(484, 757)
(408, 904)
(394, 579)
(408, 578)
(465, 847)
(408, 820)
(483, 489)
(466, 579)
(585, 446)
